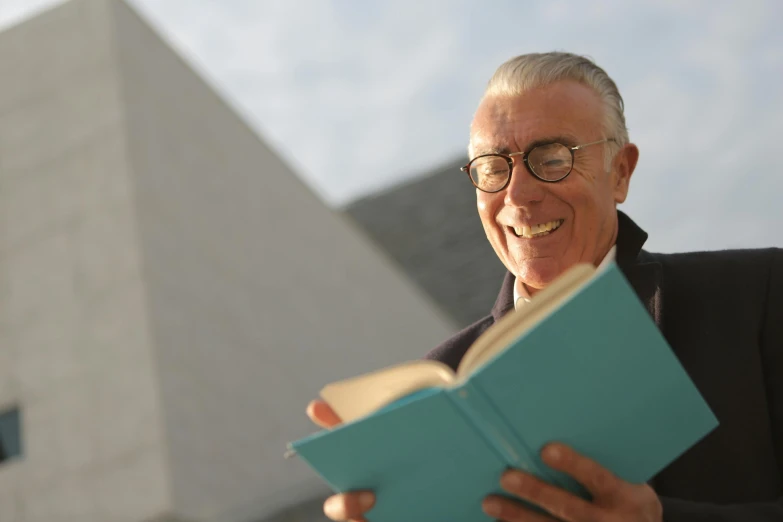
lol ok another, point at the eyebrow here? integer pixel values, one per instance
(565, 139)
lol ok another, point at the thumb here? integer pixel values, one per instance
(322, 414)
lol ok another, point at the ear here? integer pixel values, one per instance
(623, 166)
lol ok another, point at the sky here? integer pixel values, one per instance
(358, 96)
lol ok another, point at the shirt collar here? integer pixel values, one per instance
(521, 295)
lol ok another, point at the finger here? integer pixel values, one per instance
(501, 508)
(322, 414)
(347, 506)
(558, 502)
(599, 481)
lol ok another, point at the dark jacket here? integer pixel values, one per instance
(722, 313)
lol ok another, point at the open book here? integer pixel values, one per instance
(359, 396)
(582, 363)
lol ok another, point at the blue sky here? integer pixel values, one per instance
(360, 95)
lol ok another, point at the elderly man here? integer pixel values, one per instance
(550, 160)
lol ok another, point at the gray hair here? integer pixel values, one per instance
(528, 71)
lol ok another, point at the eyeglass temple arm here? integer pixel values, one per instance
(578, 147)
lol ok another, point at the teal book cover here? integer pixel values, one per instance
(594, 373)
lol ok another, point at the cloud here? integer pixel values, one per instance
(357, 96)
(707, 120)
(343, 94)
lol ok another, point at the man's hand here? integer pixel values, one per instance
(347, 506)
(614, 500)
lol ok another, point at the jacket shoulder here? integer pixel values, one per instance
(733, 278)
(710, 262)
(453, 349)
(746, 256)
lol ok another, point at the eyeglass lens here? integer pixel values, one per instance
(551, 162)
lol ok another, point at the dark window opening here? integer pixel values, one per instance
(10, 434)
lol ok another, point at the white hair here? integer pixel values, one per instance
(528, 71)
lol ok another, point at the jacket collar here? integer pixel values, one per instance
(644, 276)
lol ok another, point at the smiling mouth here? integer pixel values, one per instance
(544, 229)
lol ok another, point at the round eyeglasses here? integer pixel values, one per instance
(550, 162)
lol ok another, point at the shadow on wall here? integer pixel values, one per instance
(431, 229)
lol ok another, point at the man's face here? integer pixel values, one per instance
(584, 202)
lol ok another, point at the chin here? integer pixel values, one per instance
(538, 273)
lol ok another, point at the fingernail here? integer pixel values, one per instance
(511, 480)
(493, 508)
(366, 500)
(553, 452)
(333, 507)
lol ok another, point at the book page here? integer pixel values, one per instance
(498, 337)
(362, 395)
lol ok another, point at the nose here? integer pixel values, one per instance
(523, 189)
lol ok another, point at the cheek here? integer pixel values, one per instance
(582, 195)
(485, 208)
(488, 206)
(590, 205)
(481, 203)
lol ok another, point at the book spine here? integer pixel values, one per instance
(480, 411)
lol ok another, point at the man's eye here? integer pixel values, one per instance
(555, 162)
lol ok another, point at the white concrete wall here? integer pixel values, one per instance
(74, 340)
(171, 295)
(259, 294)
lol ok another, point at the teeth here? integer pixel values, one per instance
(537, 230)
(524, 231)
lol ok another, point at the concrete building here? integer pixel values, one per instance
(171, 295)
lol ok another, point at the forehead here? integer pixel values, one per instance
(566, 109)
